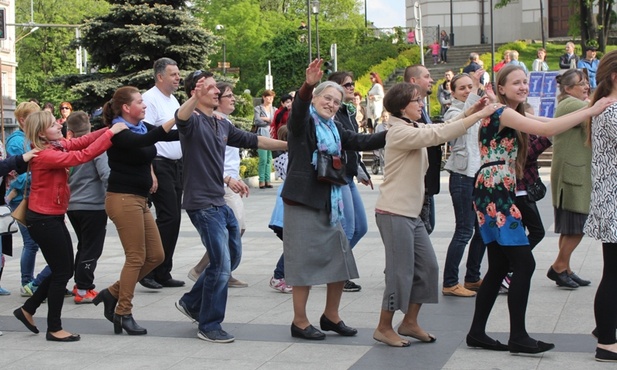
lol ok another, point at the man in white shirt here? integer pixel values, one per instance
(166, 170)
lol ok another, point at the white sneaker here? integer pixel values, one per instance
(280, 285)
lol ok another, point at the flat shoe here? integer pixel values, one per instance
(19, 314)
(495, 346)
(70, 338)
(538, 348)
(310, 333)
(431, 338)
(382, 339)
(340, 328)
(604, 355)
(562, 279)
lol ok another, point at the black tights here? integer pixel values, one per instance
(605, 304)
(502, 259)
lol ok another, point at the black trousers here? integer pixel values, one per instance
(605, 303)
(167, 201)
(90, 227)
(54, 240)
(531, 220)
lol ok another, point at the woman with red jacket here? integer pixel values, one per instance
(47, 205)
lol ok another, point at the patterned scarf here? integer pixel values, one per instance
(350, 107)
(328, 141)
(139, 128)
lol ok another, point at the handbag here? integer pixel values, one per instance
(330, 169)
(19, 213)
(536, 191)
(7, 223)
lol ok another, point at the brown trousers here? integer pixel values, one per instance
(141, 241)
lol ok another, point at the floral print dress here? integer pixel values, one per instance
(494, 190)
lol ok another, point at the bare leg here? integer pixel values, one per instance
(410, 327)
(300, 297)
(385, 332)
(333, 301)
(567, 245)
(201, 265)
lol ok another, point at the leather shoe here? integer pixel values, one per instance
(603, 355)
(70, 338)
(538, 348)
(310, 333)
(127, 323)
(340, 328)
(172, 283)
(19, 314)
(150, 283)
(494, 346)
(109, 303)
(561, 278)
(577, 279)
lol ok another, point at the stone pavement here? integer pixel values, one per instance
(260, 317)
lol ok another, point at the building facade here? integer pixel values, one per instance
(8, 66)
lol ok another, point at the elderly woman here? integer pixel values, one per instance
(315, 247)
(411, 266)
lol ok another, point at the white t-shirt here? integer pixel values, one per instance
(160, 109)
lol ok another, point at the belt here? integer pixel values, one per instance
(158, 158)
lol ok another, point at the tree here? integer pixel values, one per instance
(124, 43)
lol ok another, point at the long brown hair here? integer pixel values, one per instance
(604, 78)
(523, 138)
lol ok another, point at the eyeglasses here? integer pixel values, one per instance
(329, 99)
(227, 95)
(417, 100)
(582, 83)
(349, 85)
(65, 108)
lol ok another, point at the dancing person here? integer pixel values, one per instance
(602, 223)
(503, 149)
(570, 178)
(47, 205)
(130, 182)
(411, 272)
(264, 114)
(315, 246)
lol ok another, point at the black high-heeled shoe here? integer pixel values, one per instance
(108, 301)
(127, 323)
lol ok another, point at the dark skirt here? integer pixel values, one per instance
(569, 223)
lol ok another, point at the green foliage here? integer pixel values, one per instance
(287, 56)
(385, 69)
(249, 167)
(243, 123)
(244, 106)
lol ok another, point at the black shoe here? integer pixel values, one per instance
(538, 348)
(70, 338)
(603, 355)
(109, 303)
(150, 283)
(19, 314)
(494, 346)
(171, 283)
(340, 328)
(268, 186)
(562, 279)
(310, 333)
(127, 323)
(350, 286)
(577, 279)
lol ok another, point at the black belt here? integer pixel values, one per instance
(157, 158)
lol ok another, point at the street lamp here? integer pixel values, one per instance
(220, 27)
(315, 7)
(32, 30)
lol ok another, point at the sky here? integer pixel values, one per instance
(386, 13)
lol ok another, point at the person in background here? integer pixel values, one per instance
(360, 113)
(411, 36)
(49, 107)
(65, 110)
(514, 61)
(444, 92)
(374, 104)
(506, 59)
(264, 114)
(569, 59)
(539, 64)
(445, 44)
(570, 178)
(86, 212)
(281, 115)
(590, 63)
(435, 51)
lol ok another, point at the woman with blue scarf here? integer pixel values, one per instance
(131, 180)
(315, 246)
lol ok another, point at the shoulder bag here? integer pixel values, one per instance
(19, 214)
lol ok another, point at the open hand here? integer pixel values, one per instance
(314, 72)
(477, 107)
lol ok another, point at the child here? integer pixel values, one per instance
(88, 183)
(277, 282)
(435, 48)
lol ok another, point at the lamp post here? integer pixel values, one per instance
(308, 28)
(32, 30)
(220, 27)
(316, 12)
(451, 24)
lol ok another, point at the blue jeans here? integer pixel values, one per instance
(461, 191)
(220, 234)
(354, 224)
(28, 255)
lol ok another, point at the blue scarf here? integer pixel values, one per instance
(139, 128)
(328, 141)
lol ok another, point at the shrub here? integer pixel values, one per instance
(248, 167)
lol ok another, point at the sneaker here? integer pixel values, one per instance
(4, 291)
(28, 290)
(193, 275)
(350, 286)
(181, 306)
(87, 298)
(457, 291)
(506, 281)
(216, 336)
(503, 290)
(473, 286)
(280, 285)
(235, 283)
(67, 293)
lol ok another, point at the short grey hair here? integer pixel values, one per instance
(161, 64)
(473, 56)
(324, 85)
